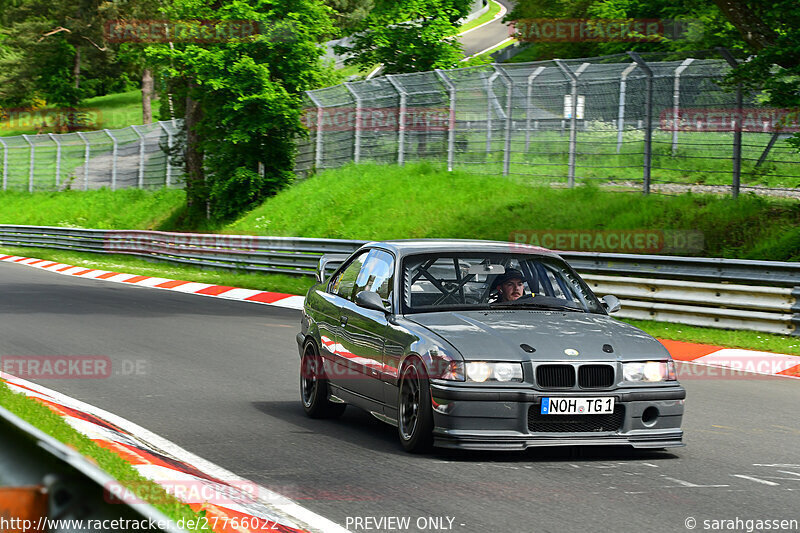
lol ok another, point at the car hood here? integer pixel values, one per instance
(497, 335)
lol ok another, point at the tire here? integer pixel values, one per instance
(314, 387)
(414, 413)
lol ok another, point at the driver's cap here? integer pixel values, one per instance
(509, 274)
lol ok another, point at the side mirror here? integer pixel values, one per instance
(611, 303)
(370, 300)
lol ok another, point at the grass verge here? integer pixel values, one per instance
(49, 422)
(748, 340)
(494, 9)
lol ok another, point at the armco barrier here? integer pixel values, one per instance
(287, 255)
(46, 480)
(725, 293)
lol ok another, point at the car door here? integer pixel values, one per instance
(362, 332)
(339, 291)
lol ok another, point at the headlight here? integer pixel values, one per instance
(480, 371)
(649, 371)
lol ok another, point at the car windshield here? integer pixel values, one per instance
(464, 281)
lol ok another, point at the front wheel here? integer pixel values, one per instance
(415, 417)
(314, 387)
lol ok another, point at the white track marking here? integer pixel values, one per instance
(757, 480)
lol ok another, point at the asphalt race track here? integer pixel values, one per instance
(219, 378)
(487, 36)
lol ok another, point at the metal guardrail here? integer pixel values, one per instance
(285, 255)
(723, 293)
(67, 486)
(722, 305)
(748, 272)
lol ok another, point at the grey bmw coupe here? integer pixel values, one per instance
(482, 345)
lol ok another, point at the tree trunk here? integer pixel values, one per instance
(147, 96)
(196, 194)
(753, 30)
(76, 68)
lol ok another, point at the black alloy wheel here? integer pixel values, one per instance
(314, 387)
(415, 416)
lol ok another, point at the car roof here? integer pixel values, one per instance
(402, 247)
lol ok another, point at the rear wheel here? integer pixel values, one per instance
(314, 387)
(415, 416)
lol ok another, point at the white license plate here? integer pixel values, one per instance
(577, 406)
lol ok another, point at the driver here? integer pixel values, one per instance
(510, 285)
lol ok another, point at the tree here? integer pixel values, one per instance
(243, 98)
(772, 32)
(53, 50)
(349, 14)
(408, 36)
(714, 30)
(133, 54)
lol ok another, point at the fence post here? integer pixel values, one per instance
(451, 122)
(357, 135)
(318, 141)
(85, 161)
(648, 126)
(168, 180)
(623, 83)
(113, 160)
(401, 120)
(737, 129)
(509, 116)
(30, 165)
(5, 164)
(58, 158)
(573, 119)
(532, 76)
(489, 95)
(676, 102)
(140, 179)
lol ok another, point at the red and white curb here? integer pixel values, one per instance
(186, 476)
(735, 359)
(278, 299)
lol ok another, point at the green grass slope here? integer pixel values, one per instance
(100, 209)
(390, 202)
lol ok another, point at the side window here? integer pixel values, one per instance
(377, 274)
(345, 280)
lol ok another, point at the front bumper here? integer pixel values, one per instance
(494, 418)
